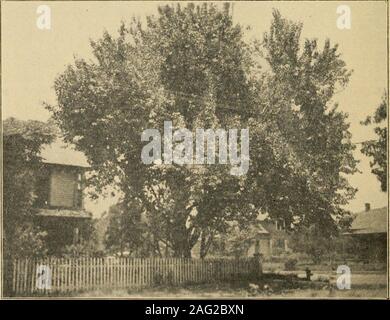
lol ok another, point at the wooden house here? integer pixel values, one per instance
(59, 191)
(367, 236)
(272, 238)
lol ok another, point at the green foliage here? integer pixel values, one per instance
(377, 149)
(237, 240)
(22, 141)
(191, 65)
(124, 234)
(84, 249)
(316, 243)
(30, 241)
(310, 139)
(87, 246)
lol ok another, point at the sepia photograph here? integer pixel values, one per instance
(194, 150)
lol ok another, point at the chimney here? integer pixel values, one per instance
(367, 207)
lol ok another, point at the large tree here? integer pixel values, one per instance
(191, 66)
(377, 149)
(22, 141)
(311, 143)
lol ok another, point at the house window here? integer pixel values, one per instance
(279, 243)
(42, 188)
(79, 192)
(280, 225)
(76, 236)
(65, 188)
(257, 246)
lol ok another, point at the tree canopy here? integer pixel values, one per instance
(22, 141)
(190, 65)
(377, 149)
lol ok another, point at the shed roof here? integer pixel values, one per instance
(62, 153)
(372, 221)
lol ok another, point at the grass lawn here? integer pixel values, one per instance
(362, 286)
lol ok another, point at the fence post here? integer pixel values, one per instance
(9, 275)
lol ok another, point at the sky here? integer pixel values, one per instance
(32, 58)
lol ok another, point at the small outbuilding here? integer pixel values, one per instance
(367, 237)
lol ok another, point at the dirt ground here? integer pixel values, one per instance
(362, 286)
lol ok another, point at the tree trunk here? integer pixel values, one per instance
(203, 250)
(205, 243)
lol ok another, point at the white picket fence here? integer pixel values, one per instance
(60, 275)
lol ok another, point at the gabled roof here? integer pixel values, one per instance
(372, 221)
(262, 230)
(59, 152)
